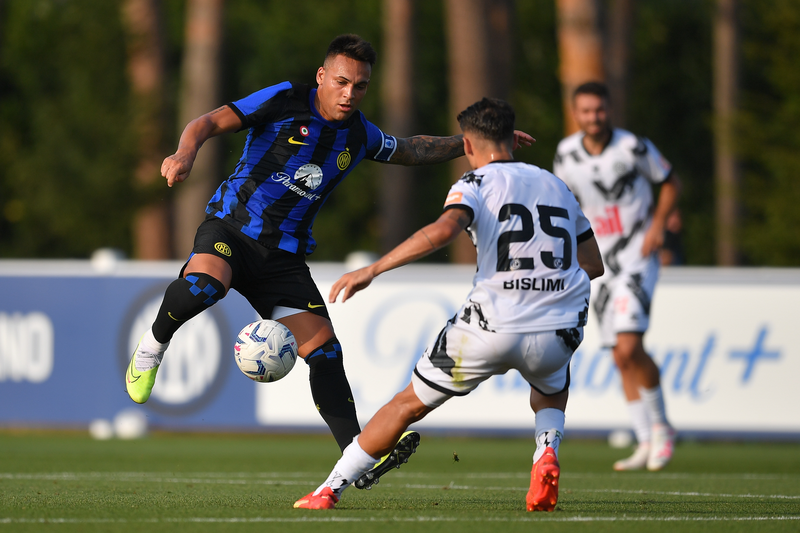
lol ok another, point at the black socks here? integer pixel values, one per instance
(331, 392)
(185, 298)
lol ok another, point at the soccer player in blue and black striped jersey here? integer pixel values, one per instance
(302, 142)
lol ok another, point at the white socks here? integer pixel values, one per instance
(150, 352)
(354, 462)
(654, 401)
(549, 431)
(640, 420)
(646, 412)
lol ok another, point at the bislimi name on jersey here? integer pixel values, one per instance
(286, 181)
(534, 284)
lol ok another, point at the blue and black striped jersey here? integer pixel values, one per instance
(292, 160)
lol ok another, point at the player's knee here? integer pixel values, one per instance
(408, 407)
(188, 296)
(628, 349)
(622, 357)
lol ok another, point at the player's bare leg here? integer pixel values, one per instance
(636, 368)
(309, 330)
(549, 409)
(379, 437)
(389, 423)
(641, 384)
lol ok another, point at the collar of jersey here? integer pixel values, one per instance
(311, 96)
(610, 140)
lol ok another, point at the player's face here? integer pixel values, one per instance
(342, 83)
(591, 114)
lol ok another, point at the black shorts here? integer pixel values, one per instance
(267, 277)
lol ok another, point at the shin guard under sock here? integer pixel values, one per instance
(185, 298)
(331, 392)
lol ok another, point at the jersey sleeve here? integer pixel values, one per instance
(464, 195)
(380, 146)
(261, 106)
(583, 228)
(558, 167)
(650, 162)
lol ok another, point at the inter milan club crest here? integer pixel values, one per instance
(343, 161)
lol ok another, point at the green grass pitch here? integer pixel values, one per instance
(65, 482)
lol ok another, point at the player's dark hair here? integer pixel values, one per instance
(352, 46)
(491, 119)
(593, 87)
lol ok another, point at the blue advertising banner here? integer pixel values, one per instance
(67, 333)
(724, 340)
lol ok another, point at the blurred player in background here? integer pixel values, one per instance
(302, 142)
(526, 310)
(611, 171)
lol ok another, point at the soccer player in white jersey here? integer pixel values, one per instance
(526, 311)
(611, 170)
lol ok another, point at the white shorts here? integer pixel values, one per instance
(464, 356)
(622, 303)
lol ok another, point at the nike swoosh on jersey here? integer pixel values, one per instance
(292, 141)
(314, 306)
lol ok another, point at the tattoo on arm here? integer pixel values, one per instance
(429, 239)
(426, 150)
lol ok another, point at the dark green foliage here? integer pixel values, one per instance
(670, 103)
(68, 146)
(65, 145)
(768, 135)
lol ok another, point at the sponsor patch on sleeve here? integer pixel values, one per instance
(454, 197)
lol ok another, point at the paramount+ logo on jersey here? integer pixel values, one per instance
(309, 176)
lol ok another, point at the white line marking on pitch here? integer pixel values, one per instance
(244, 479)
(453, 486)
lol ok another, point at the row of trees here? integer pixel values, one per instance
(93, 94)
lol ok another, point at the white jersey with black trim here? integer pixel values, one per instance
(526, 226)
(614, 191)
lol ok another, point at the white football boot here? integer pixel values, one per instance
(637, 461)
(662, 444)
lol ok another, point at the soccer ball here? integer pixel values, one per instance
(265, 350)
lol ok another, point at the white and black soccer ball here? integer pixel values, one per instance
(265, 351)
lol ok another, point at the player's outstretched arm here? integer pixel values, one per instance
(667, 202)
(176, 168)
(589, 258)
(426, 150)
(422, 243)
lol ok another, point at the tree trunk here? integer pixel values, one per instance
(151, 225)
(397, 182)
(580, 46)
(479, 49)
(726, 73)
(618, 47)
(199, 94)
